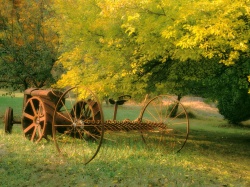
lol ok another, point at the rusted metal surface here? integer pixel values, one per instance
(61, 114)
(121, 100)
(38, 108)
(8, 120)
(125, 125)
(128, 125)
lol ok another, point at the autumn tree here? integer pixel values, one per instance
(179, 47)
(28, 44)
(131, 34)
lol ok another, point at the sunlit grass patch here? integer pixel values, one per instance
(123, 161)
(215, 155)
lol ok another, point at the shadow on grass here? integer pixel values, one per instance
(138, 169)
(213, 156)
(228, 142)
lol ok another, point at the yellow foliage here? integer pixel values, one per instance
(134, 17)
(108, 40)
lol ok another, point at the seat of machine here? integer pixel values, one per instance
(120, 101)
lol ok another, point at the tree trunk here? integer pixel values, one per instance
(176, 106)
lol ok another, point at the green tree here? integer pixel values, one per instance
(91, 52)
(229, 87)
(234, 105)
(180, 47)
(28, 45)
(126, 35)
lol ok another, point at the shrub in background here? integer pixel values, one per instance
(234, 105)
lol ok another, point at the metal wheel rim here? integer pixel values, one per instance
(8, 120)
(55, 125)
(186, 123)
(37, 120)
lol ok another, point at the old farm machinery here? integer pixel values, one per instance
(74, 119)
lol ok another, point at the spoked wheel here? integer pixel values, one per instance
(34, 119)
(8, 120)
(167, 123)
(78, 124)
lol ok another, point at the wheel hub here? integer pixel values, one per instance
(37, 120)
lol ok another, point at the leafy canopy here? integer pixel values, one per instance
(28, 45)
(111, 44)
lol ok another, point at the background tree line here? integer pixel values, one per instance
(28, 44)
(137, 47)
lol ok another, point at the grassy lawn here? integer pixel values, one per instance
(216, 154)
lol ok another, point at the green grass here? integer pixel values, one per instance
(123, 112)
(15, 102)
(216, 154)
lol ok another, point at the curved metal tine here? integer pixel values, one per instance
(158, 111)
(80, 133)
(84, 97)
(97, 137)
(81, 112)
(72, 143)
(77, 96)
(161, 108)
(105, 138)
(66, 133)
(72, 99)
(88, 112)
(80, 130)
